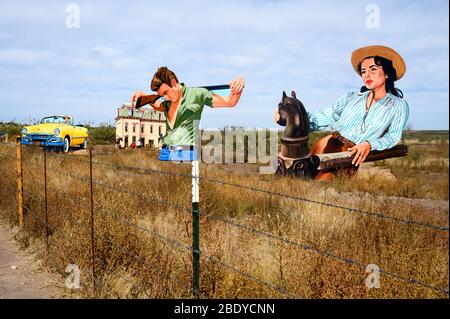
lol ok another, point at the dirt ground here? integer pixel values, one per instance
(369, 169)
(21, 275)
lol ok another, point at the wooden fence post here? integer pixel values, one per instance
(19, 179)
(92, 222)
(45, 198)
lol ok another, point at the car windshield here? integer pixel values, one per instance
(56, 119)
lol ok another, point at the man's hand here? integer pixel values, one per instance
(135, 96)
(276, 116)
(237, 85)
(362, 151)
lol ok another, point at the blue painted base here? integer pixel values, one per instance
(177, 155)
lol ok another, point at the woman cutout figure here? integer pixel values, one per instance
(372, 119)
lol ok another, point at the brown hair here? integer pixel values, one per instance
(163, 75)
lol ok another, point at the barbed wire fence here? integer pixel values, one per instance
(96, 209)
(85, 227)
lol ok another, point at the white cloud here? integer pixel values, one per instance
(82, 62)
(275, 45)
(105, 51)
(25, 56)
(123, 63)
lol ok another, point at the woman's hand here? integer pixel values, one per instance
(237, 85)
(276, 116)
(362, 151)
(135, 96)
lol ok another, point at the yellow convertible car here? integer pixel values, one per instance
(57, 132)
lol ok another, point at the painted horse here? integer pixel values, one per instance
(293, 158)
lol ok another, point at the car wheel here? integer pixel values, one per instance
(84, 145)
(66, 146)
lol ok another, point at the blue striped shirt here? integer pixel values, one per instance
(381, 126)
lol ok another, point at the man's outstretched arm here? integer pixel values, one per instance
(236, 87)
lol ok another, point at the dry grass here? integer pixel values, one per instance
(134, 236)
(423, 173)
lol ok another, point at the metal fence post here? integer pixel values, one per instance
(92, 222)
(195, 229)
(45, 199)
(19, 179)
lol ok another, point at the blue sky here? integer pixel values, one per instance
(47, 68)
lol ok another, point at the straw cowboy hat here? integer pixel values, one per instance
(379, 50)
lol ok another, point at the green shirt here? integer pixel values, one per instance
(187, 116)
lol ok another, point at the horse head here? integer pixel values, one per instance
(293, 115)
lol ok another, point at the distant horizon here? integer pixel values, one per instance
(220, 128)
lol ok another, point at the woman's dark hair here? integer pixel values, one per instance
(389, 70)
